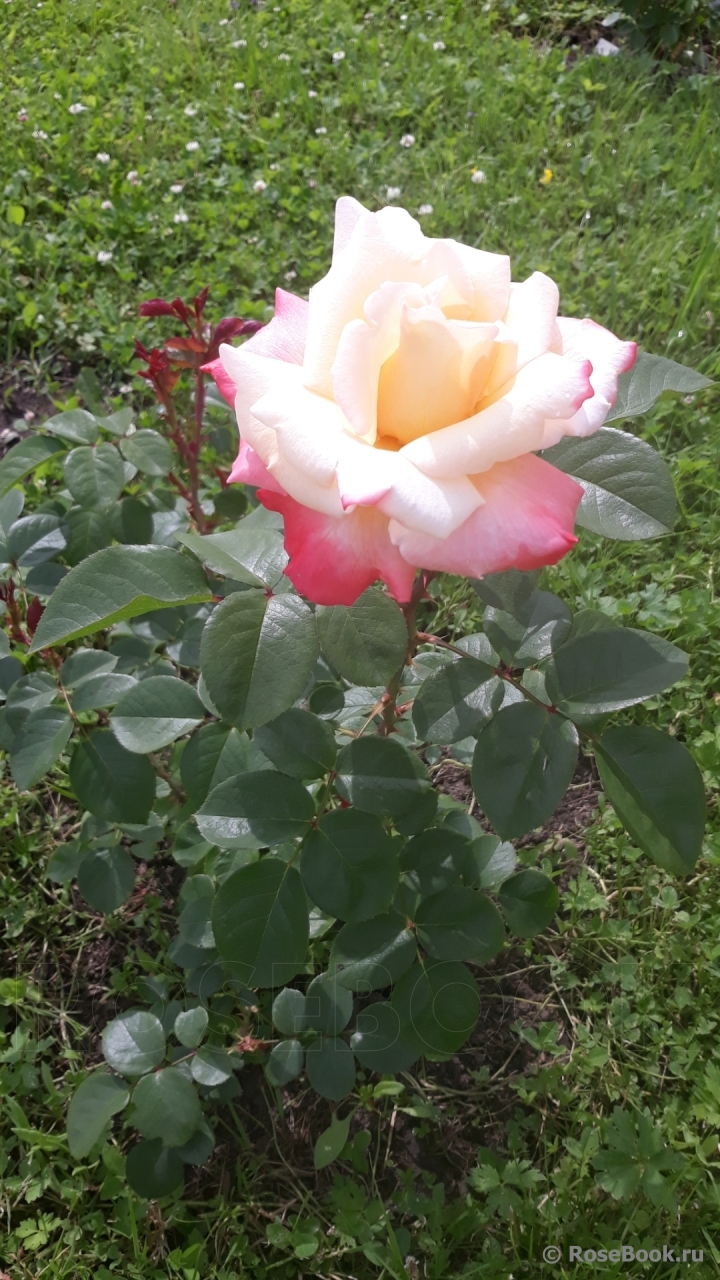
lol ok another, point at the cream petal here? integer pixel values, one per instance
(609, 357)
(377, 477)
(530, 330)
(310, 429)
(489, 278)
(253, 375)
(552, 386)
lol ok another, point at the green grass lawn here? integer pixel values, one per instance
(626, 222)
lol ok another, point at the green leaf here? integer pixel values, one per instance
(211, 1066)
(87, 532)
(116, 584)
(64, 862)
(656, 789)
(455, 701)
(118, 423)
(153, 1170)
(285, 1062)
(44, 578)
(260, 922)
(111, 782)
(380, 775)
(434, 860)
(256, 809)
(252, 555)
(11, 670)
(328, 1005)
(373, 954)
(130, 521)
(326, 700)
(194, 921)
(649, 377)
(102, 690)
(331, 1142)
(92, 1106)
(134, 1043)
(298, 743)
(38, 745)
(34, 539)
(459, 924)
(190, 1026)
(288, 1012)
(366, 642)
(257, 655)
(490, 862)
(438, 1004)
(522, 766)
(11, 506)
(150, 452)
(106, 878)
(95, 475)
(529, 901)
(602, 671)
(85, 663)
(379, 1042)
(199, 760)
(28, 694)
(155, 712)
(199, 1148)
(330, 1066)
(349, 865)
(24, 458)
(510, 591)
(530, 632)
(628, 489)
(76, 425)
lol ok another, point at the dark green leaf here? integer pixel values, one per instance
(199, 1148)
(75, 425)
(11, 670)
(92, 1106)
(95, 476)
(380, 775)
(257, 655)
(153, 1170)
(628, 489)
(211, 1066)
(602, 671)
(298, 743)
(111, 782)
(328, 1005)
(165, 1105)
(373, 954)
(331, 1142)
(260, 922)
(657, 791)
(28, 694)
(366, 641)
(459, 924)
(199, 760)
(379, 1042)
(285, 1062)
(326, 700)
(156, 712)
(330, 1065)
(106, 878)
(438, 1005)
(65, 861)
(349, 865)
(455, 701)
(649, 377)
(131, 521)
(230, 503)
(194, 922)
(523, 765)
(190, 1026)
(35, 539)
(116, 584)
(149, 452)
(134, 1043)
(102, 690)
(38, 745)
(11, 506)
(24, 458)
(509, 591)
(538, 626)
(434, 860)
(256, 809)
(247, 554)
(529, 901)
(421, 815)
(288, 1012)
(490, 862)
(45, 578)
(85, 663)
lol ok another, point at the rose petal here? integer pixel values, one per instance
(332, 561)
(526, 521)
(248, 468)
(222, 379)
(609, 357)
(531, 328)
(284, 337)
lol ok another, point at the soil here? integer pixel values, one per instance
(22, 404)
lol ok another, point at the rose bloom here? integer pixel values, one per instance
(394, 418)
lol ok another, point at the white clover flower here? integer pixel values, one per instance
(223, 22)
(283, 57)
(290, 275)
(148, 117)
(438, 44)
(338, 55)
(273, 168)
(239, 84)
(312, 93)
(106, 204)
(133, 178)
(192, 146)
(424, 210)
(103, 256)
(75, 108)
(57, 96)
(407, 140)
(22, 114)
(393, 192)
(259, 185)
(176, 188)
(478, 175)
(39, 133)
(322, 129)
(125, 389)
(191, 111)
(102, 157)
(181, 216)
(239, 44)
(312, 184)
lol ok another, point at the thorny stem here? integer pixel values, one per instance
(389, 699)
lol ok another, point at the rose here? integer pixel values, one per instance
(393, 419)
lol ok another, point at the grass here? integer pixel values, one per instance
(620, 1006)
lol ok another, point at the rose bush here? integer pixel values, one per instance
(393, 419)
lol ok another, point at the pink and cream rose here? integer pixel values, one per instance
(394, 418)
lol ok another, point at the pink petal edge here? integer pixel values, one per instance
(284, 337)
(222, 379)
